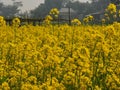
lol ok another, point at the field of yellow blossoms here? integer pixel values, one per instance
(52, 57)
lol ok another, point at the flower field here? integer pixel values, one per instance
(61, 57)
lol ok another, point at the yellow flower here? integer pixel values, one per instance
(20, 64)
(26, 87)
(76, 22)
(32, 80)
(48, 20)
(48, 17)
(97, 88)
(5, 86)
(111, 8)
(119, 13)
(2, 21)
(35, 87)
(88, 19)
(14, 73)
(103, 21)
(54, 12)
(16, 22)
(13, 81)
(50, 88)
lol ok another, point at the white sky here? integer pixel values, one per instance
(29, 4)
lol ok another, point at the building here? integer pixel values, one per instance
(98, 16)
(67, 13)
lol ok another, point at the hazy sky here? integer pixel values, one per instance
(29, 4)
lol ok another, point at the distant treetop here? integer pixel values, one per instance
(116, 2)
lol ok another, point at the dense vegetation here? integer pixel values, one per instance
(61, 57)
(52, 57)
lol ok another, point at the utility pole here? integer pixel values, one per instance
(69, 13)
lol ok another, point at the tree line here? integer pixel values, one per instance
(80, 7)
(10, 10)
(43, 9)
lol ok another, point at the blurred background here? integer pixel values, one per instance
(41, 8)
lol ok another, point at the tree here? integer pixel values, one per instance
(10, 10)
(43, 9)
(99, 5)
(40, 11)
(116, 2)
(80, 7)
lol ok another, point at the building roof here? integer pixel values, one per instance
(66, 10)
(96, 13)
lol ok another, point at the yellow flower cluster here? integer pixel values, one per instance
(2, 21)
(111, 13)
(48, 19)
(88, 19)
(111, 9)
(76, 22)
(16, 22)
(55, 12)
(60, 57)
(118, 13)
